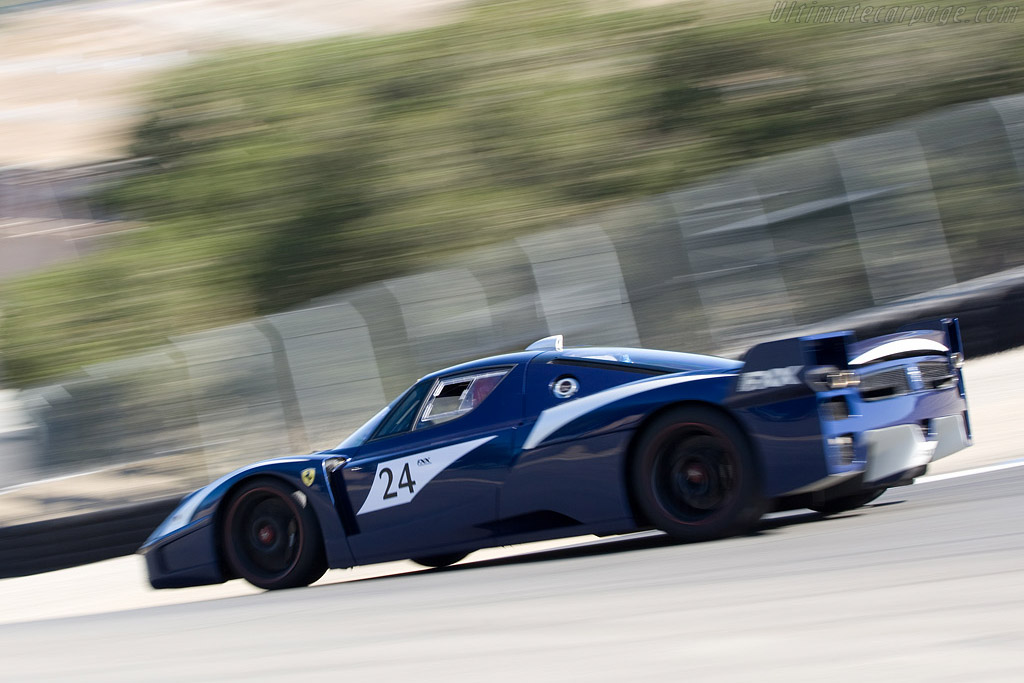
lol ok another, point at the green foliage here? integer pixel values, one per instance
(279, 175)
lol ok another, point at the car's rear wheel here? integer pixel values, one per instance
(439, 560)
(837, 505)
(694, 475)
(271, 537)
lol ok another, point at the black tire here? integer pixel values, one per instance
(271, 537)
(436, 561)
(837, 505)
(693, 475)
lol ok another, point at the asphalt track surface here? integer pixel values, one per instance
(925, 584)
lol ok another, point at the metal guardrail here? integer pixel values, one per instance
(781, 244)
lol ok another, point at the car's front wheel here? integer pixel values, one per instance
(694, 475)
(271, 537)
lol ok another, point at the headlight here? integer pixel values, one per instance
(181, 516)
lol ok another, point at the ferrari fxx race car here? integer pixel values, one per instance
(556, 442)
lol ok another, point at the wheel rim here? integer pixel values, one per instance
(266, 533)
(696, 473)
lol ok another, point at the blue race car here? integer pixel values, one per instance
(557, 442)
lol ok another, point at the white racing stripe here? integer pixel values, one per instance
(553, 419)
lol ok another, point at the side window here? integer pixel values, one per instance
(455, 396)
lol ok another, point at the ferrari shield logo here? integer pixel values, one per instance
(308, 476)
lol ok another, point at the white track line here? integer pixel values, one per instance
(967, 473)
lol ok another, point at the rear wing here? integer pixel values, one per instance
(949, 328)
(823, 362)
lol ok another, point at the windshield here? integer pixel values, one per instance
(359, 437)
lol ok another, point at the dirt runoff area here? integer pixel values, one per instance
(71, 75)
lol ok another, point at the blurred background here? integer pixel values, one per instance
(233, 229)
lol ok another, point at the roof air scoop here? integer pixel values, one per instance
(552, 343)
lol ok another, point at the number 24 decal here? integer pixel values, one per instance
(405, 481)
(392, 476)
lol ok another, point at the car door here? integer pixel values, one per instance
(428, 478)
(569, 480)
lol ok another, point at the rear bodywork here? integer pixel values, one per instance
(903, 407)
(545, 454)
